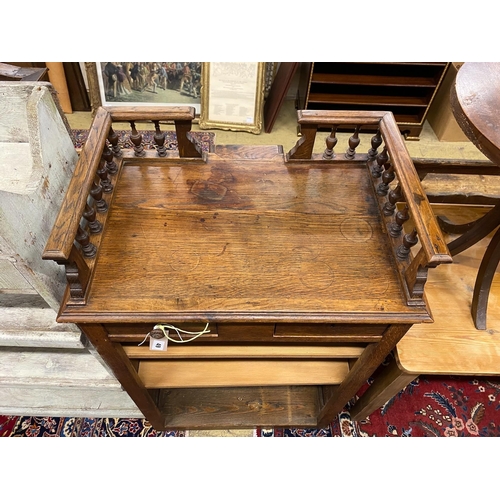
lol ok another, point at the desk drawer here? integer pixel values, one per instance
(329, 331)
(230, 332)
(246, 332)
(136, 332)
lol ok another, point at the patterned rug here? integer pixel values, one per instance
(427, 407)
(205, 139)
(79, 427)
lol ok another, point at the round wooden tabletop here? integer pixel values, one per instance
(475, 101)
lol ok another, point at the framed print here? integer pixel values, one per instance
(232, 96)
(145, 84)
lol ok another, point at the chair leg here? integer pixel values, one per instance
(451, 228)
(484, 279)
(479, 230)
(388, 382)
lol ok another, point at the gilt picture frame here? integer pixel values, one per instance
(232, 96)
(144, 84)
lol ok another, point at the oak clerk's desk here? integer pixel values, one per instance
(299, 263)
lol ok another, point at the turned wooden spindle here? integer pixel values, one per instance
(376, 142)
(102, 172)
(89, 215)
(136, 139)
(331, 142)
(378, 167)
(400, 218)
(96, 193)
(409, 240)
(113, 140)
(392, 198)
(159, 139)
(74, 282)
(111, 166)
(387, 177)
(353, 144)
(89, 250)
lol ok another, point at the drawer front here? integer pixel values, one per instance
(246, 332)
(136, 332)
(329, 332)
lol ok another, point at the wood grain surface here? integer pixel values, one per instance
(232, 407)
(213, 240)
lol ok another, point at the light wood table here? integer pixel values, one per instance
(451, 345)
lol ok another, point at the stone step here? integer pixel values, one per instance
(20, 367)
(66, 402)
(36, 327)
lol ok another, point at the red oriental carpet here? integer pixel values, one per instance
(427, 407)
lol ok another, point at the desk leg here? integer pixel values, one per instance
(371, 358)
(389, 381)
(119, 363)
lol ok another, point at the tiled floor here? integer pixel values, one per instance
(285, 133)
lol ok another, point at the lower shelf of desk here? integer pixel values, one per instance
(240, 407)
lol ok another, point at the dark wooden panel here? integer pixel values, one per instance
(240, 332)
(330, 331)
(78, 94)
(136, 332)
(227, 408)
(252, 236)
(277, 94)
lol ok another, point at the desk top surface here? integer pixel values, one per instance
(245, 240)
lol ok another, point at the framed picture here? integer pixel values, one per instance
(232, 96)
(144, 84)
